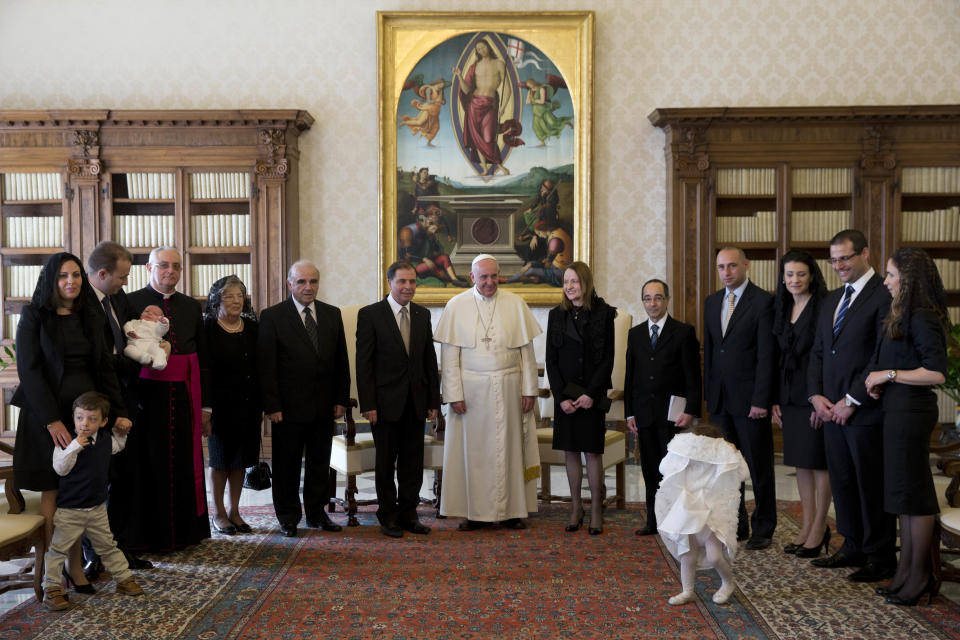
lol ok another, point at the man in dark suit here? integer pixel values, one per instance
(739, 361)
(663, 360)
(108, 266)
(850, 320)
(399, 388)
(305, 379)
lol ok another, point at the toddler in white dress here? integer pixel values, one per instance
(697, 504)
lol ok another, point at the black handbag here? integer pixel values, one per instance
(258, 476)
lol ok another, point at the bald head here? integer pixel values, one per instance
(303, 281)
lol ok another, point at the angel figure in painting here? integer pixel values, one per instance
(480, 96)
(540, 98)
(427, 122)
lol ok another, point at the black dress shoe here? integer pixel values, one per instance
(792, 548)
(514, 523)
(137, 564)
(288, 531)
(324, 523)
(646, 531)
(243, 528)
(872, 572)
(472, 525)
(92, 569)
(837, 561)
(229, 530)
(79, 588)
(755, 543)
(391, 530)
(415, 526)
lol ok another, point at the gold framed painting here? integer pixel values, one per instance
(485, 147)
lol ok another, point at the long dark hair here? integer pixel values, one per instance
(587, 292)
(46, 295)
(920, 288)
(783, 302)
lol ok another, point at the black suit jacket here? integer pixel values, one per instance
(839, 366)
(40, 365)
(386, 374)
(739, 368)
(653, 375)
(294, 378)
(127, 369)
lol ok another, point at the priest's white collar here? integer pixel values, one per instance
(484, 298)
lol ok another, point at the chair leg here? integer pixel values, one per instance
(621, 485)
(40, 549)
(332, 483)
(546, 496)
(351, 497)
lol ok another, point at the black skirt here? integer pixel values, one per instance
(802, 444)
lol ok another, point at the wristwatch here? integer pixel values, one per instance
(892, 374)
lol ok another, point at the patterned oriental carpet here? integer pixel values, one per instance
(494, 583)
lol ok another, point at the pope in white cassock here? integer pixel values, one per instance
(489, 380)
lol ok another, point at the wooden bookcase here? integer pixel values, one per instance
(220, 186)
(823, 169)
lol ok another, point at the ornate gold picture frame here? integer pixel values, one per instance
(485, 147)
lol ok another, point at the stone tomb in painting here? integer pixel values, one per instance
(484, 224)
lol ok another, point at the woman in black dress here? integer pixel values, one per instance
(61, 353)
(234, 441)
(579, 364)
(911, 357)
(800, 290)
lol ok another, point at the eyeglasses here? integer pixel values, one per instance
(176, 266)
(657, 298)
(844, 259)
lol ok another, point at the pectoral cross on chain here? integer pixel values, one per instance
(487, 341)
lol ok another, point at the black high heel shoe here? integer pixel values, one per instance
(792, 548)
(570, 528)
(932, 588)
(79, 588)
(807, 552)
(886, 591)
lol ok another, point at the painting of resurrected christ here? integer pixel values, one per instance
(475, 102)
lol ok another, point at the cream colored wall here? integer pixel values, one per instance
(321, 56)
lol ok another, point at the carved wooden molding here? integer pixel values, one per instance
(774, 115)
(275, 140)
(85, 139)
(877, 149)
(84, 167)
(273, 168)
(692, 150)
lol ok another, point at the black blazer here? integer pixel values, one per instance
(40, 366)
(653, 375)
(839, 366)
(795, 342)
(295, 379)
(386, 374)
(127, 369)
(565, 365)
(739, 369)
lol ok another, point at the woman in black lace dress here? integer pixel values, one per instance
(234, 441)
(579, 357)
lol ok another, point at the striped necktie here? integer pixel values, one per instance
(311, 326)
(731, 305)
(654, 330)
(843, 309)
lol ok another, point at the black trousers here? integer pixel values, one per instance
(297, 444)
(754, 439)
(399, 447)
(653, 441)
(855, 464)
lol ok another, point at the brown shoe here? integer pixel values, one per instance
(129, 588)
(55, 599)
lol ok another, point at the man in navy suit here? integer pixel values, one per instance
(305, 380)
(851, 318)
(663, 360)
(399, 388)
(739, 362)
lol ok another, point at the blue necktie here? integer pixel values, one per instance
(654, 330)
(311, 326)
(843, 309)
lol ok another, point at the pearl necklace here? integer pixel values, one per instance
(237, 328)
